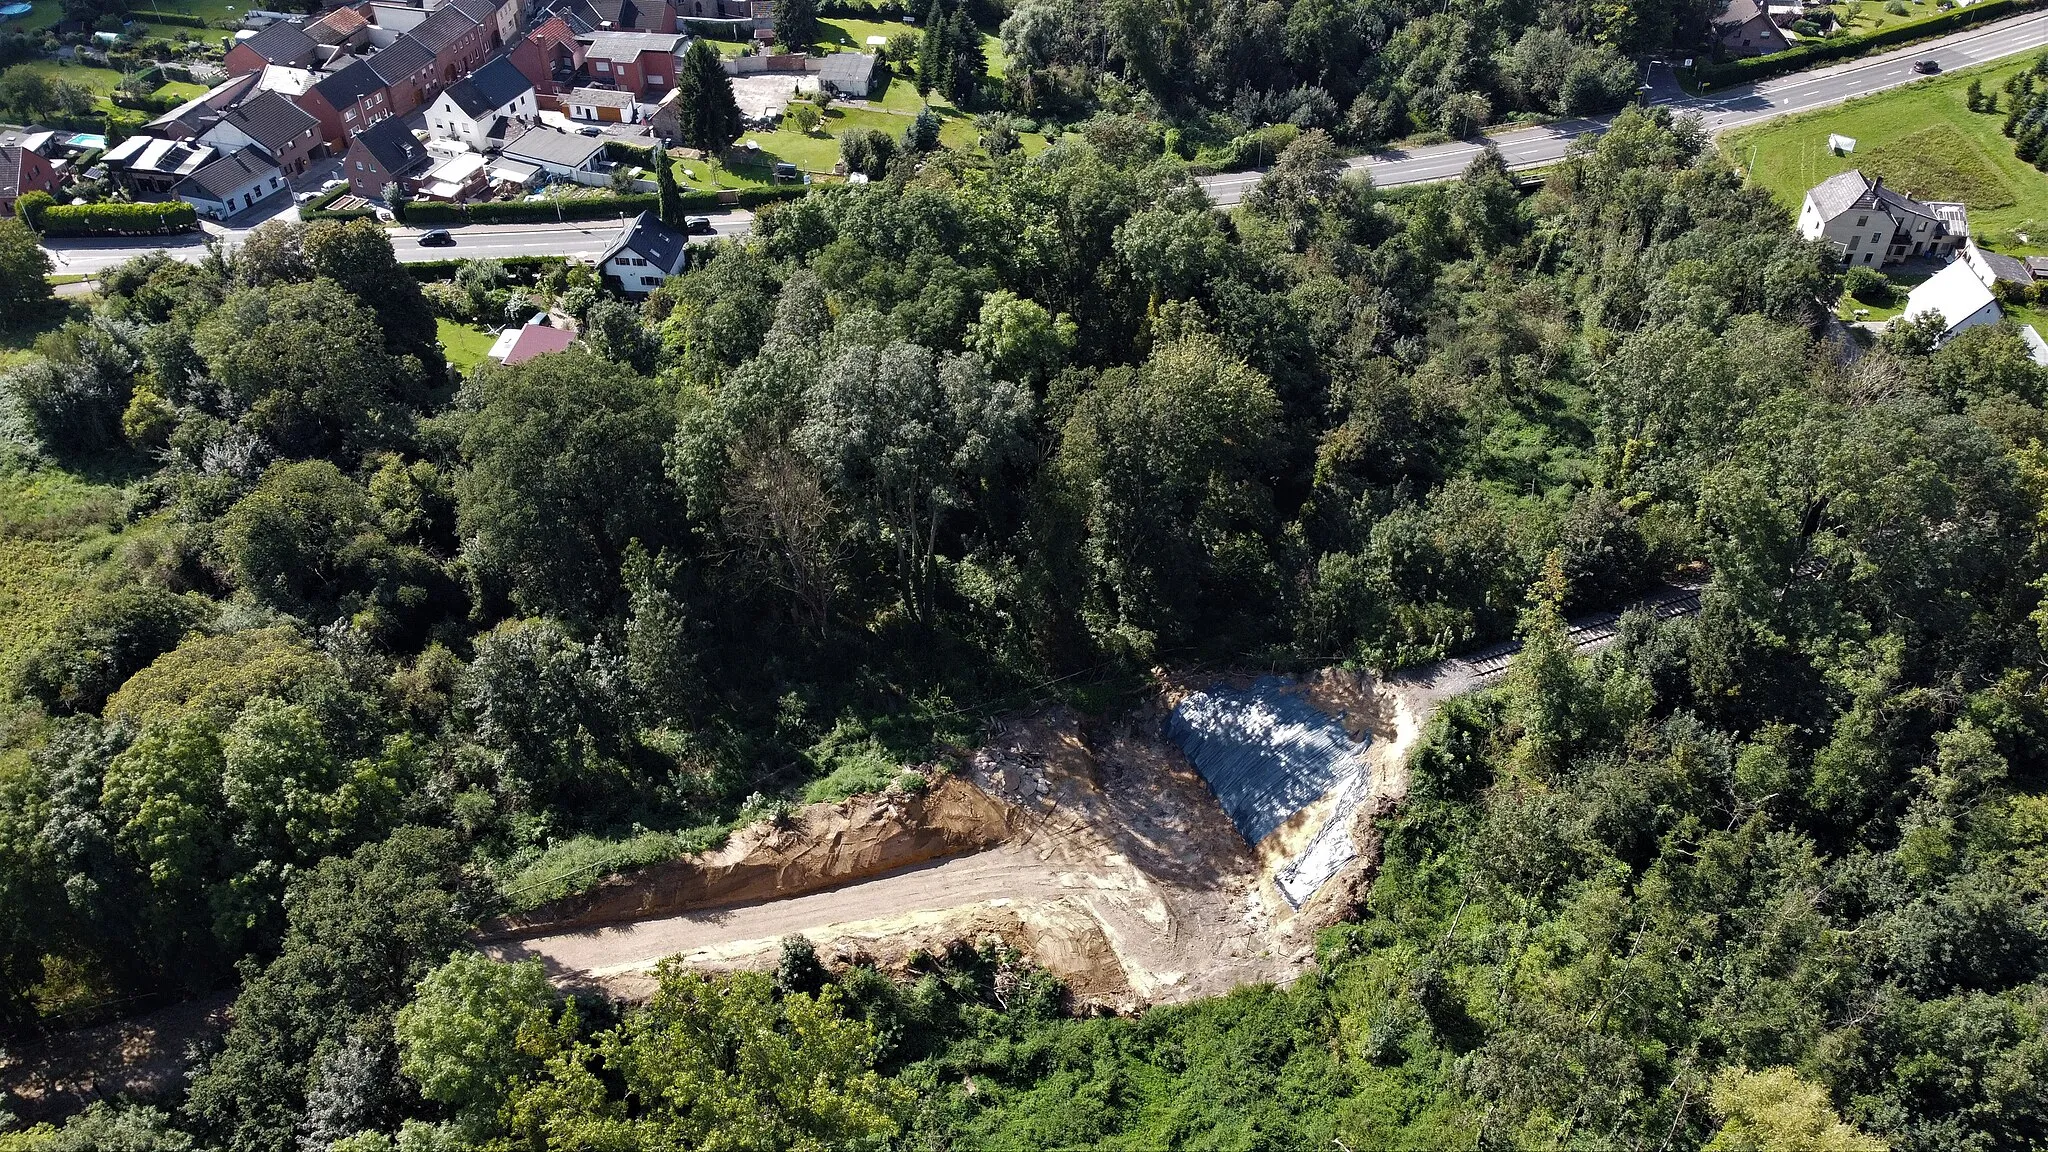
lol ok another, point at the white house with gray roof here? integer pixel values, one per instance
(645, 254)
(1870, 225)
(484, 107)
(231, 183)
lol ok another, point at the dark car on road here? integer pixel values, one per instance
(1927, 66)
(697, 225)
(436, 238)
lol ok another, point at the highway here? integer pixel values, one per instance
(1718, 111)
(583, 239)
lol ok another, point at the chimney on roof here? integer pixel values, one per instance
(1879, 185)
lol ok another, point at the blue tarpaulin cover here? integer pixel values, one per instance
(1264, 750)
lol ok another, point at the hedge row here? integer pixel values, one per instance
(526, 268)
(430, 213)
(176, 19)
(1815, 52)
(117, 219)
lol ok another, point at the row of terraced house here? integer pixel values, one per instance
(478, 72)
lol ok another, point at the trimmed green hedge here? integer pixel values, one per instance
(176, 19)
(1815, 52)
(118, 219)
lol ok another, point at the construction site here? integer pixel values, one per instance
(1191, 845)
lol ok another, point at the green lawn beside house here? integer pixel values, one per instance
(464, 344)
(1922, 139)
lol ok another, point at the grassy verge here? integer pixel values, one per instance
(1921, 138)
(533, 878)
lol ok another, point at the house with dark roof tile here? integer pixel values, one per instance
(1745, 28)
(645, 254)
(615, 15)
(384, 153)
(483, 103)
(288, 133)
(281, 43)
(410, 71)
(348, 101)
(643, 63)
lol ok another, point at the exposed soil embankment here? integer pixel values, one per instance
(820, 846)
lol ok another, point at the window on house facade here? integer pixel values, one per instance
(1854, 241)
(651, 281)
(1862, 220)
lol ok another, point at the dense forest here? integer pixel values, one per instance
(367, 647)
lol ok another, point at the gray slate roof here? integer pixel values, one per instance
(626, 47)
(282, 43)
(271, 120)
(562, 149)
(498, 83)
(349, 85)
(601, 97)
(442, 27)
(226, 175)
(400, 59)
(651, 240)
(2006, 267)
(393, 146)
(10, 169)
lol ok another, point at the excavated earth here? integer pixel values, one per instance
(1094, 848)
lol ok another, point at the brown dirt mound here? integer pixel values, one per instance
(822, 846)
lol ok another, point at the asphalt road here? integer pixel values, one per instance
(582, 239)
(1744, 104)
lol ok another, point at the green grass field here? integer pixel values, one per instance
(1922, 139)
(464, 344)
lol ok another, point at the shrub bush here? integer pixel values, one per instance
(173, 19)
(1868, 285)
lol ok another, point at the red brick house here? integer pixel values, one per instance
(550, 56)
(457, 39)
(643, 63)
(23, 171)
(384, 153)
(347, 102)
(410, 72)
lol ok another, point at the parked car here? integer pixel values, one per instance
(331, 185)
(591, 130)
(307, 197)
(785, 171)
(1928, 67)
(436, 238)
(694, 224)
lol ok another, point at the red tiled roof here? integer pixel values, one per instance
(536, 339)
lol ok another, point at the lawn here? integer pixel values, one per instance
(1871, 15)
(102, 81)
(179, 90)
(1922, 139)
(464, 344)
